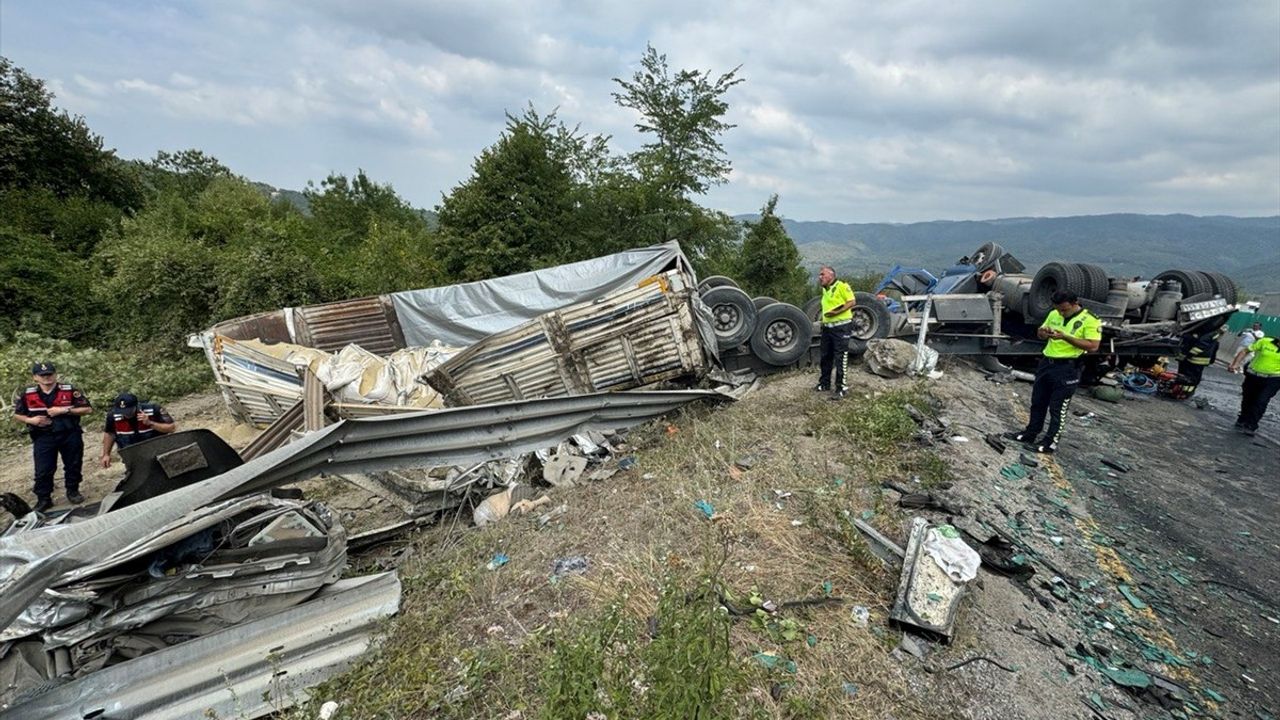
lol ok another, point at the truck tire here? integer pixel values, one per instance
(857, 347)
(782, 334)
(1224, 286)
(762, 301)
(1096, 279)
(716, 281)
(1050, 279)
(985, 257)
(1193, 283)
(870, 317)
(733, 315)
(813, 309)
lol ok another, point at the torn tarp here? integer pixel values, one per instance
(460, 315)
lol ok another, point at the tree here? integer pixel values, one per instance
(770, 263)
(684, 115)
(185, 173)
(42, 147)
(518, 211)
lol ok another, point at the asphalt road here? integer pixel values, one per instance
(1196, 520)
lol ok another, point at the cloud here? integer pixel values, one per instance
(851, 110)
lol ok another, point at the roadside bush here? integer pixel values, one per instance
(159, 285)
(44, 289)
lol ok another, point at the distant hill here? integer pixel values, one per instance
(1247, 249)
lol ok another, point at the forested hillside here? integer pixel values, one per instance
(122, 259)
(1248, 249)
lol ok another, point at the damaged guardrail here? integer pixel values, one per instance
(69, 592)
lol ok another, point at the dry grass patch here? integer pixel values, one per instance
(670, 618)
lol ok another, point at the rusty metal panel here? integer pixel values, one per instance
(368, 322)
(268, 326)
(636, 336)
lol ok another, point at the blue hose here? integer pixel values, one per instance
(1140, 383)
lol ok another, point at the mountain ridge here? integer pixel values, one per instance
(1126, 244)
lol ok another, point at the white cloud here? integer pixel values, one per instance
(851, 110)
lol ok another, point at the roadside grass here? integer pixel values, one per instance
(670, 618)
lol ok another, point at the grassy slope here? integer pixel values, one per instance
(643, 632)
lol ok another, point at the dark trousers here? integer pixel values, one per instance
(1255, 395)
(1051, 395)
(1191, 373)
(834, 345)
(45, 448)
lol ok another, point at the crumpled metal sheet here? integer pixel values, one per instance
(48, 557)
(226, 590)
(246, 671)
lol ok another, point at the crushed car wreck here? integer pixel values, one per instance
(84, 595)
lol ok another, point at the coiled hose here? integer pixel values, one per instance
(1140, 383)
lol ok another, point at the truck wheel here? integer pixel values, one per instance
(857, 347)
(1193, 283)
(813, 309)
(1224, 286)
(870, 317)
(1050, 279)
(984, 257)
(716, 281)
(782, 335)
(762, 301)
(733, 315)
(1096, 279)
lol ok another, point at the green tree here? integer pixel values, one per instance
(343, 211)
(185, 173)
(43, 147)
(366, 240)
(770, 263)
(684, 114)
(44, 289)
(518, 210)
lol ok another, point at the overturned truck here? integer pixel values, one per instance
(988, 307)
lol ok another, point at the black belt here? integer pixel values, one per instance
(1073, 360)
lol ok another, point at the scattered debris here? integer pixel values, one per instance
(571, 565)
(911, 646)
(888, 551)
(563, 469)
(1133, 599)
(707, 509)
(996, 442)
(498, 561)
(1115, 465)
(861, 615)
(928, 597)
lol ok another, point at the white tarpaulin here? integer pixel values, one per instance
(461, 315)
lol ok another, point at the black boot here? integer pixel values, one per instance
(43, 503)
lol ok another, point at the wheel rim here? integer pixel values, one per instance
(780, 335)
(865, 323)
(728, 318)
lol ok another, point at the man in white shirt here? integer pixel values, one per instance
(1247, 338)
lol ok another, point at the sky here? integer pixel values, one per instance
(850, 111)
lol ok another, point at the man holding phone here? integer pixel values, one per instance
(1071, 331)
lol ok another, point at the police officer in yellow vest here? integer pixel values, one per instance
(1071, 331)
(1261, 383)
(837, 326)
